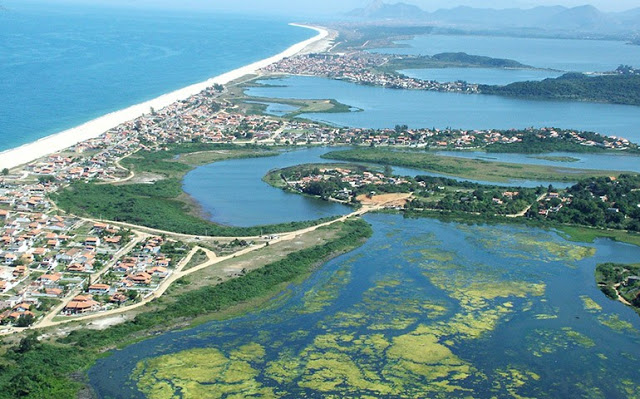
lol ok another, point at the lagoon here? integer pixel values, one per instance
(577, 55)
(424, 308)
(232, 192)
(486, 76)
(385, 108)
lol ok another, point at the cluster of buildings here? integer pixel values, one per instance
(361, 68)
(348, 181)
(134, 276)
(311, 133)
(44, 255)
(553, 202)
(48, 259)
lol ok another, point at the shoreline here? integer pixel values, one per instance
(56, 142)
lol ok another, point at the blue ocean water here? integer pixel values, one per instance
(62, 66)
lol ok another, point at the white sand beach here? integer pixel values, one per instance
(94, 128)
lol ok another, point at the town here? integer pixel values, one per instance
(361, 67)
(57, 265)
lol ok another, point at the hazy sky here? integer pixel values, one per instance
(306, 7)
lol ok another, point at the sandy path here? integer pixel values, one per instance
(179, 273)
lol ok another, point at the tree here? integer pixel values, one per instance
(25, 320)
(388, 171)
(132, 294)
(401, 128)
(27, 343)
(5, 172)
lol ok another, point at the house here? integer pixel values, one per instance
(77, 268)
(113, 240)
(159, 271)
(99, 289)
(53, 291)
(50, 279)
(10, 258)
(81, 304)
(99, 227)
(141, 278)
(92, 241)
(19, 271)
(118, 298)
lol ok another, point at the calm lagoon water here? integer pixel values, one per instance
(388, 107)
(232, 192)
(563, 55)
(423, 308)
(488, 76)
(64, 65)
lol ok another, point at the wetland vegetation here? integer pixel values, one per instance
(158, 201)
(50, 367)
(475, 169)
(424, 308)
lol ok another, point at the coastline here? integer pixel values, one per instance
(29, 152)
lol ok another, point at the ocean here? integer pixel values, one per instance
(63, 66)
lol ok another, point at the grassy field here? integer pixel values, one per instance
(303, 106)
(466, 168)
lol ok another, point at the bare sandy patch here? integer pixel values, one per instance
(392, 199)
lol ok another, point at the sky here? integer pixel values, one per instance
(324, 7)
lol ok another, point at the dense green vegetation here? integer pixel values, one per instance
(600, 202)
(336, 186)
(449, 60)
(617, 89)
(463, 167)
(160, 205)
(450, 195)
(44, 370)
(614, 279)
(534, 144)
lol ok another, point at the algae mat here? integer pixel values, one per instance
(424, 309)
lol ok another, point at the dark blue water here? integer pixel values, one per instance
(564, 55)
(385, 108)
(64, 65)
(511, 319)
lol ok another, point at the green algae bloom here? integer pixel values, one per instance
(614, 322)
(590, 305)
(202, 373)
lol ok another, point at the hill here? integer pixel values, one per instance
(616, 89)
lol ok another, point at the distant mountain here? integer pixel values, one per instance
(380, 10)
(582, 19)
